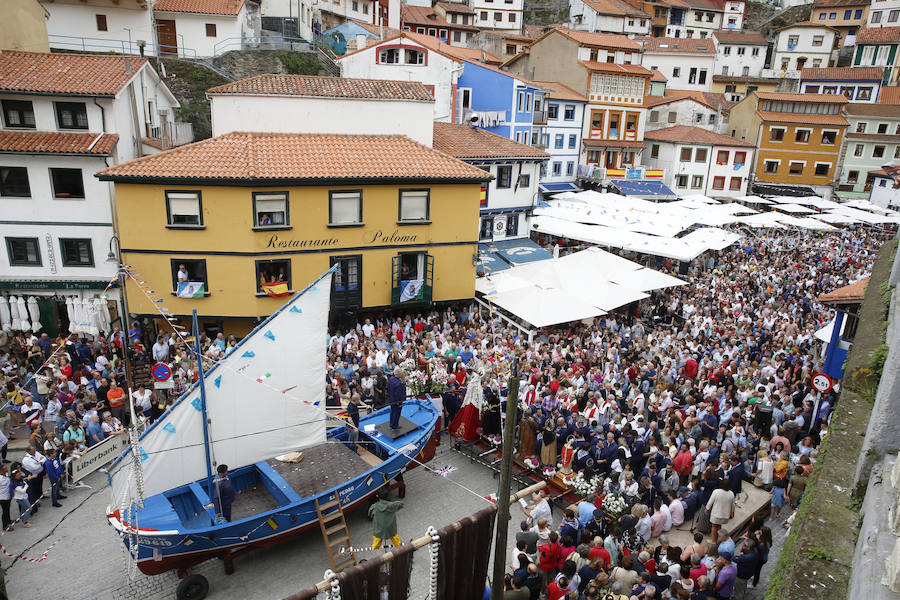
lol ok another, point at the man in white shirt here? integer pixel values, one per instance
(160, 350)
(368, 328)
(5, 496)
(34, 464)
(182, 274)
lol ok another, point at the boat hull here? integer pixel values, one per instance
(161, 549)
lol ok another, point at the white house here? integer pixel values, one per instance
(564, 111)
(204, 27)
(740, 53)
(803, 44)
(733, 15)
(65, 117)
(405, 57)
(507, 199)
(698, 161)
(858, 84)
(885, 190)
(706, 110)
(694, 19)
(491, 14)
(884, 13)
(100, 25)
(609, 16)
(313, 104)
(687, 64)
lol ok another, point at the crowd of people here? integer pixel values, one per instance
(672, 405)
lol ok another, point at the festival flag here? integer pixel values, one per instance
(272, 523)
(277, 289)
(191, 289)
(412, 289)
(369, 481)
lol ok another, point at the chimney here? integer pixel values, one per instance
(394, 14)
(360, 41)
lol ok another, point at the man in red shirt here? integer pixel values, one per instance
(691, 367)
(598, 551)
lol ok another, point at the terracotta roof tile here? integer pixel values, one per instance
(658, 76)
(66, 74)
(204, 7)
(863, 109)
(751, 38)
(457, 52)
(843, 73)
(422, 15)
(695, 135)
(869, 35)
(889, 95)
(560, 92)
(243, 156)
(705, 5)
(826, 3)
(827, 98)
(715, 101)
(52, 142)
(802, 118)
(616, 68)
(463, 141)
(379, 31)
(806, 24)
(855, 292)
(325, 87)
(607, 40)
(678, 45)
(456, 7)
(615, 7)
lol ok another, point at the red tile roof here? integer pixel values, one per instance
(379, 31)
(843, 73)
(66, 74)
(204, 7)
(889, 95)
(458, 52)
(456, 7)
(422, 15)
(606, 40)
(872, 35)
(325, 87)
(828, 98)
(695, 135)
(806, 24)
(51, 142)
(750, 38)
(560, 92)
(244, 157)
(616, 7)
(658, 76)
(616, 68)
(678, 45)
(713, 100)
(802, 118)
(464, 141)
(855, 292)
(827, 3)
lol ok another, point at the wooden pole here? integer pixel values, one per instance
(422, 541)
(509, 434)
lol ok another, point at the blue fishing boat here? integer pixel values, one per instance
(254, 411)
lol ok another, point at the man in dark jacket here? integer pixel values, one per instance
(223, 493)
(736, 474)
(746, 567)
(396, 394)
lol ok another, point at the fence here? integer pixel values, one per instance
(92, 44)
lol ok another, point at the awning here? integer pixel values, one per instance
(559, 187)
(517, 250)
(824, 334)
(49, 284)
(488, 262)
(642, 188)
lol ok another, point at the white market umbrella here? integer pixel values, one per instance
(15, 320)
(5, 316)
(103, 319)
(35, 312)
(70, 312)
(23, 313)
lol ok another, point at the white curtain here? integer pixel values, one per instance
(35, 312)
(5, 316)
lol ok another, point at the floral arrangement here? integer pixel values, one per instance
(440, 380)
(417, 382)
(408, 365)
(614, 505)
(568, 479)
(548, 472)
(584, 486)
(531, 462)
(495, 439)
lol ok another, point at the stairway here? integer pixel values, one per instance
(335, 533)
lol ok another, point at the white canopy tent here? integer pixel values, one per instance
(794, 208)
(866, 205)
(753, 200)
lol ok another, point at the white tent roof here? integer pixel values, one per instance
(542, 307)
(769, 219)
(866, 205)
(834, 217)
(793, 208)
(865, 216)
(813, 223)
(824, 334)
(753, 200)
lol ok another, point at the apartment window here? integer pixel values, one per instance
(755, 52)
(510, 49)
(771, 166)
(802, 136)
(700, 155)
(414, 206)
(672, 116)
(727, 51)
(776, 134)
(71, 115)
(520, 102)
(681, 181)
(76, 252)
(14, 182)
(795, 168)
(697, 182)
(718, 183)
(882, 128)
(722, 157)
(552, 111)
(570, 168)
(184, 209)
(741, 50)
(897, 129)
(654, 151)
(484, 15)
(793, 40)
(857, 14)
(466, 97)
(211, 29)
(876, 16)
(413, 57)
(686, 154)
(572, 141)
(740, 158)
(512, 17)
(878, 151)
(23, 252)
(724, 69)
(893, 16)
(457, 36)
(345, 208)
(701, 79)
(569, 114)
(654, 116)
(676, 72)
(512, 225)
(498, 16)
(18, 113)
(270, 210)
(67, 183)
(712, 118)
(275, 271)
(101, 23)
(389, 56)
(818, 40)
(557, 169)
(692, 75)
(735, 183)
(829, 137)
(442, 33)
(832, 16)
(897, 152)
(861, 127)
(593, 157)
(504, 177)
(811, 89)
(822, 169)
(186, 271)
(858, 150)
(486, 229)
(558, 142)
(852, 176)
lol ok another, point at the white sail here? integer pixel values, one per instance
(264, 399)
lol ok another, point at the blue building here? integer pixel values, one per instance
(564, 117)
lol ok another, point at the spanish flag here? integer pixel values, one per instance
(279, 288)
(272, 523)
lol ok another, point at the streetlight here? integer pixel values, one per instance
(114, 257)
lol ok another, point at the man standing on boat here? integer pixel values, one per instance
(396, 394)
(384, 520)
(223, 493)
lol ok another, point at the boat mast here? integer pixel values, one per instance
(206, 449)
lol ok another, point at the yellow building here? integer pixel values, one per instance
(242, 210)
(798, 137)
(736, 87)
(24, 26)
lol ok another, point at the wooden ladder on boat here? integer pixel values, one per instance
(335, 533)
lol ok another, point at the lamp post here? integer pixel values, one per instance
(114, 257)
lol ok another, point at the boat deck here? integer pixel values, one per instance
(323, 467)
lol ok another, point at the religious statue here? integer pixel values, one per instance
(548, 445)
(527, 437)
(566, 456)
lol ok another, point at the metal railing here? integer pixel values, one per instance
(92, 44)
(262, 42)
(540, 117)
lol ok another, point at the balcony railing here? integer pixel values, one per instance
(540, 117)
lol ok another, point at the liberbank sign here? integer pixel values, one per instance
(373, 238)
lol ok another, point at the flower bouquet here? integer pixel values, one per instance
(408, 365)
(568, 479)
(440, 380)
(416, 381)
(531, 462)
(614, 506)
(584, 486)
(495, 439)
(548, 472)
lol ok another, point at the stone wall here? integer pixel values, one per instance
(546, 12)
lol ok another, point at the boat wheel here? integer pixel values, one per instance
(192, 587)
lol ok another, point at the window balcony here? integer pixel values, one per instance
(540, 117)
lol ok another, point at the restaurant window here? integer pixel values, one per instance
(735, 183)
(345, 208)
(504, 177)
(718, 183)
(189, 277)
(822, 169)
(76, 252)
(700, 155)
(686, 154)
(722, 157)
(272, 272)
(71, 115)
(414, 206)
(593, 157)
(18, 113)
(23, 252)
(14, 182)
(697, 182)
(184, 209)
(795, 168)
(67, 183)
(270, 210)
